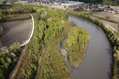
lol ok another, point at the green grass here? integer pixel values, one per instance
(53, 65)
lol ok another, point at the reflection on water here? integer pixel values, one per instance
(97, 62)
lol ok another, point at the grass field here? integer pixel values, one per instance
(108, 16)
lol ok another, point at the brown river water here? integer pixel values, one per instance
(97, 61)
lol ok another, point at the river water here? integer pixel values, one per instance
(97, 61)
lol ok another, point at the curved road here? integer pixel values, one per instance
(17, 30)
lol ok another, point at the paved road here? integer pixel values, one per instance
(17, 30)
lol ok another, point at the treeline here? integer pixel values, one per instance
(112, 38)
(18, 10)
(16, 13)
(76, 43)
(8, 59)
(43, 58)
(16, 17)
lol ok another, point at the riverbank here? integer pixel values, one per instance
(111, 37)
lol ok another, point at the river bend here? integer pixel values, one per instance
(97, 61)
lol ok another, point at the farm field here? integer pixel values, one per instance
(17, 30)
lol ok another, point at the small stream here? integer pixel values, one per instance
(66, 55)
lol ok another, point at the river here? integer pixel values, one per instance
(97, 61)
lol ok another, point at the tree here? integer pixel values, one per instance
(65, 6)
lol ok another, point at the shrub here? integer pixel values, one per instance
(108, 17)
(8, 59)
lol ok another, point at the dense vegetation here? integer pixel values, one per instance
(16, 12)
(43, 58)
(17, 9)
(112, 38)
(79, 9)
(75, 44)
(8, 58)
(16, 17)
(10, 54)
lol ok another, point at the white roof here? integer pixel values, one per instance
(73, 3)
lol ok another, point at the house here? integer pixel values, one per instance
(117, 11)
(113, 12)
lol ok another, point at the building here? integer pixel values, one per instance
(71, 5)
